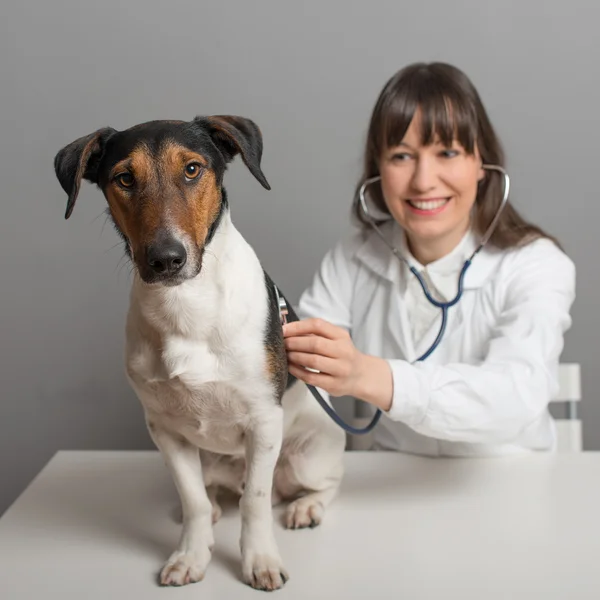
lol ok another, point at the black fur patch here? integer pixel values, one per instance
(217, 138)
(215, 224)
(274, 343)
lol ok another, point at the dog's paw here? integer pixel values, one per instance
(263, 571)
(185, 567)
(304, 512)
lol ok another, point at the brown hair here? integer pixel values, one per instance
(450, 109)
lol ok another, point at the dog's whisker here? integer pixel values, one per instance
(104, 224)
(106, 214)
(121, 264)
(119, 243)
(97, 216)
(129, 272)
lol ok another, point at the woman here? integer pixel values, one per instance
(485, 388)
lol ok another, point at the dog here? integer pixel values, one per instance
(204, 348)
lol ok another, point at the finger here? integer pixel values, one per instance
(328, 366)
(313, 344)
(314, 327)
(319, 380)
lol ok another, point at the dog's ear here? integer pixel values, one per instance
(80, 159)
(234, 135)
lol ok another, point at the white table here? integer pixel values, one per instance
(98, 525)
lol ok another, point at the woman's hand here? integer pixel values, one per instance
(343, 370)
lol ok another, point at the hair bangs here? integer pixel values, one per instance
(450, 110)
(445, 116)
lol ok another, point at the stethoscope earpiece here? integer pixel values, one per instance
(443, 306)
(486, 235)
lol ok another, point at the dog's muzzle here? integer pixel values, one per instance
(164, 259)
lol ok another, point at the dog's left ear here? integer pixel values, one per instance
(234, 135)
(79, 160)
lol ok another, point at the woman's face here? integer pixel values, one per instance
(430, 191)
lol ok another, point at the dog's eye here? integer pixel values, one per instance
(124, 179)
(192, 170)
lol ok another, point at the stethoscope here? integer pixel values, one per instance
(443, 306)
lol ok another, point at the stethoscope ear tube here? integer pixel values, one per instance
(443, 306)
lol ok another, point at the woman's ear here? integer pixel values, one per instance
(481, 173)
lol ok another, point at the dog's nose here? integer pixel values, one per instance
(166, 258)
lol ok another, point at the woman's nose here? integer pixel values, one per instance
(424, 176)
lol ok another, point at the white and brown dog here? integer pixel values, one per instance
(204, 345)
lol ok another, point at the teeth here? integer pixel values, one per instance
(427, 204)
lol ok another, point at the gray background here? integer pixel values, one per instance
(308, 73)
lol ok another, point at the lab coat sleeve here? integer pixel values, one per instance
(330, 293)
(496, 399)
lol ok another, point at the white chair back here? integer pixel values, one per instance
(569, 428)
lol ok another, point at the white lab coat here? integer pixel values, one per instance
(485, 389)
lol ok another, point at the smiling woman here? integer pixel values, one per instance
(430, 190)
(433, 158)
(434, 111)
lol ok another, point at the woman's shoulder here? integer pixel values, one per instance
(541, 252)
(540, 263)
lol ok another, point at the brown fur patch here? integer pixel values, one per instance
(272, 363)
(202, 199)
(137, 225)
(160, 192)
(174, 157)
(276, 367)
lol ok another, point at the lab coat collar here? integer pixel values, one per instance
(375, 254)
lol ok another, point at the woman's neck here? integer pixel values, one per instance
(428, 251)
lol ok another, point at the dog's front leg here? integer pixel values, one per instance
(188, 563)
(261, 564)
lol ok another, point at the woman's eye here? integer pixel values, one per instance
(400, 156)
(449, 153)
(124, 180)
(192, 170)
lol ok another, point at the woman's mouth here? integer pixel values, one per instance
(427, 206)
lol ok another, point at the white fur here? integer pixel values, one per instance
(196, 359)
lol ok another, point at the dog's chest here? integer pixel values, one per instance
(213, 416)
(196, 356)
(198, 387)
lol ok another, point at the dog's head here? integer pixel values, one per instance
(163, 184)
